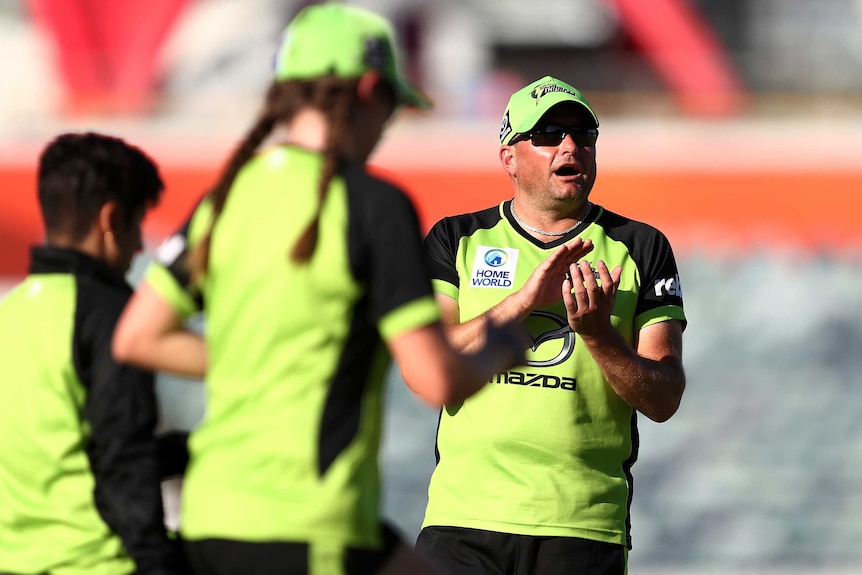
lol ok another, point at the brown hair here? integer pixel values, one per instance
(81, 172)
(335, 97)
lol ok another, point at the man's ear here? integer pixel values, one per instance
(507, 158)
(109, 215)
(368, 82)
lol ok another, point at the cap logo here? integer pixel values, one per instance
(377, 53)
(505, 127)
(547, 88)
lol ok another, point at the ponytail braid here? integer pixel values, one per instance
(280, 103)
(335, 97)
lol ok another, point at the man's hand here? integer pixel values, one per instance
(588, 304)
(545, 283)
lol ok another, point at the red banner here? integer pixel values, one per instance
(107, 51)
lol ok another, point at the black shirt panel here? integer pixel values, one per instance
(121, 411)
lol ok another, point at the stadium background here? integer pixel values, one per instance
(735, 126)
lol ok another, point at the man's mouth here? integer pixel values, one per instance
(567, 171)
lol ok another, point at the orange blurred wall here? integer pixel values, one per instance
(698, 211)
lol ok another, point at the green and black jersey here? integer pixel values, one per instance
(287, 450)
(547, 447)
(79, 467)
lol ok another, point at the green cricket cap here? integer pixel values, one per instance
(344, 41)
(527, 106)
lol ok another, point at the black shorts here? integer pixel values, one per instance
(463, 551)
(230, 557)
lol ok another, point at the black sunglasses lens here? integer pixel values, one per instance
(552, 136)
(547, 137)
(586, 138)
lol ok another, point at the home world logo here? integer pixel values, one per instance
(494, 267)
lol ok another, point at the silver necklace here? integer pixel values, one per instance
(537, 230)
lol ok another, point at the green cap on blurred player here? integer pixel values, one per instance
(527, 106)
(344, 41)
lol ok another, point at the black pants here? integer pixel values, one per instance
(229, 557)
(462, 551)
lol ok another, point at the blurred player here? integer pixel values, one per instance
(79, 468)
(304, 265)
(534, 474)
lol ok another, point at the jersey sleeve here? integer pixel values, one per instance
(169, 274)
(388, 256)
(441, 250)
(660, 297)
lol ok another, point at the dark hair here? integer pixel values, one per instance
(333, 96)
(79, 173)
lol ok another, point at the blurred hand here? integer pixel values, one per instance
(512, 338)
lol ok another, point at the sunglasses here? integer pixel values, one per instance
(553, 135)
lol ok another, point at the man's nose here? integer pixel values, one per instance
(568, 143)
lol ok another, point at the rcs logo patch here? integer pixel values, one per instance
(668, 286)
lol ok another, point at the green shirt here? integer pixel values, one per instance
(79, 467)
(546, 448)
(288, 447)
